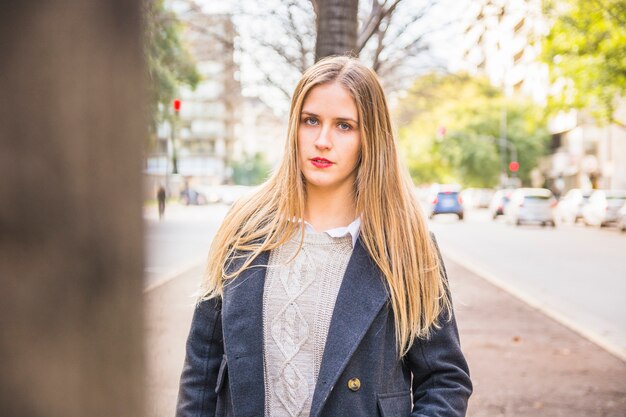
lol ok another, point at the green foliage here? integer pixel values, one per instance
(253, 170)
(586, 53)
(470, 109)
(169, 63)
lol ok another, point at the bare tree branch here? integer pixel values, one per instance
(292, 40)
(269, 78)
(304, 64)
(378, 13)
(380, 45)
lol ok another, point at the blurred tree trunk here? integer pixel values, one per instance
(72, 124)
(336, 27)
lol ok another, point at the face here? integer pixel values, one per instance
(329, 138)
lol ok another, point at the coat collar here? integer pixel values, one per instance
(361, 296)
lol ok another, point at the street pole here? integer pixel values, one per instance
(503, 141)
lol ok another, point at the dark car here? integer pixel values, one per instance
(190, 196)
(446, 202)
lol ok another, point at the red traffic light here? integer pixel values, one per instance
(176, 105)
(514, 166)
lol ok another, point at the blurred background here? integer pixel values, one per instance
(510, 116)
(129, 127)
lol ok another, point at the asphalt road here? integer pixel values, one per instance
(573, 273)
(180, 241)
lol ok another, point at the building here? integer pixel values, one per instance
(584, 154)
(503, 41)
(202, 139)
(260, 131)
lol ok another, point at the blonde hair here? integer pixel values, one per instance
(393, 229)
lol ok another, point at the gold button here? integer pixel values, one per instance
(354, 384)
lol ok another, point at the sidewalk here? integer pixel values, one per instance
(523, 364)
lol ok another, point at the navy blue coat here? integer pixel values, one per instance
(223, 372)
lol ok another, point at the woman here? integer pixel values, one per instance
(355, 320)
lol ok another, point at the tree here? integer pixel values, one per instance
(279, 39)
(71, 271)
(336, 27)
(252, 170)
(169, 63)
(586, 55)
(449, 125)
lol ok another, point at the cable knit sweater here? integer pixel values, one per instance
(298, 302)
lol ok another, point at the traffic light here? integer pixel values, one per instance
(514, 166)
(176, 105)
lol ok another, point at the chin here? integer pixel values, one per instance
(328, 183)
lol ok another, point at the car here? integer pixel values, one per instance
(229, 194)
(499, 202)
(191, 196)
(569, 208)
(621, 219)
(531, 205)
(446, 202)
(477, 198)
(603, 207)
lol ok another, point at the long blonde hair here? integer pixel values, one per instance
(393, 229)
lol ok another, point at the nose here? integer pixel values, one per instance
(323, 141)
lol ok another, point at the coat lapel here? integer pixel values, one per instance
(361, 296)
(242, 318)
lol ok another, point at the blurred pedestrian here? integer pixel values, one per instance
(161, 199)
(325, 294)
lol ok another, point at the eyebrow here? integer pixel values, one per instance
(336, 118)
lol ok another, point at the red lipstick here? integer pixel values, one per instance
(321, 162)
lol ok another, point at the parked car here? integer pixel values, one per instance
(531, 205)
(446, 202)
(191, 196)
(603, 207)
(476, 198)
(621, 219)
(229, 194)
(569, 208)
(499, 202)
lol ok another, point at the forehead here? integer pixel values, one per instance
(331, 99)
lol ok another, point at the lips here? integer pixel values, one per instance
(321, 162)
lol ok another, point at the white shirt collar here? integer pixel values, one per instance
(353, 229)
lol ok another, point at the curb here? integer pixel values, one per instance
(525, 298)
(177, 273)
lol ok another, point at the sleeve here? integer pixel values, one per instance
(441, 383)
(205, 347)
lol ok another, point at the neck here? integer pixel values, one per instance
(327, 209)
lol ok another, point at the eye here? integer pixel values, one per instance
(311, 121)
(344, 126)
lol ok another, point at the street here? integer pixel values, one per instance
(523, 363)
(573, 273)
(181, 241)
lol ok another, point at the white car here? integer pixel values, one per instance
(531, 205)
(477, 198)
(569, 209)
(621, 221)
(603, 207)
